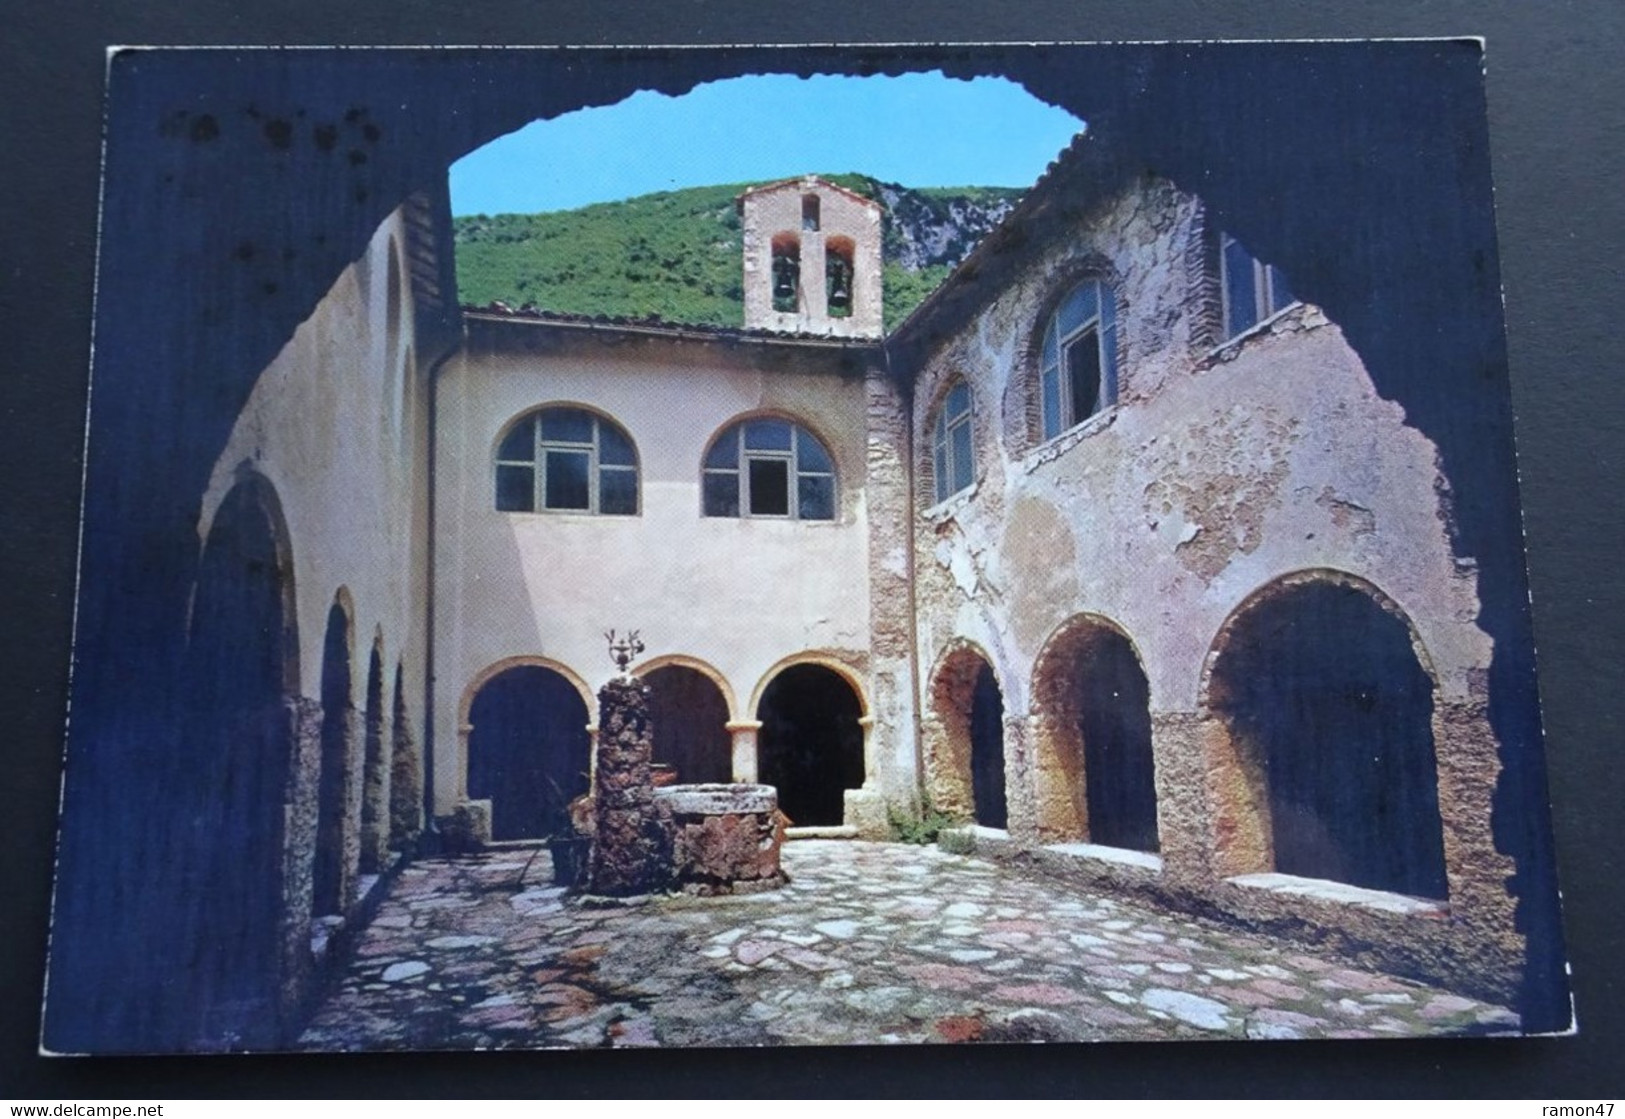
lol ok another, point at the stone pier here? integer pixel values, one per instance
(628, 855)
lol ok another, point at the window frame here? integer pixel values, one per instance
(596, 467)
(791, 457)
(1103, 323)
(943, 428)
(1263, 289)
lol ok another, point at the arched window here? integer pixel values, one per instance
(567, 459)
(953, 464)
(769, 467)
(1253, 290)
(1078, 372)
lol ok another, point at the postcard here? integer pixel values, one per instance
(618, 547)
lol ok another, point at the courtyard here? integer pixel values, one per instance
(869, 943)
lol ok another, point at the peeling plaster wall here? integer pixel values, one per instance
(1217, 472)
(741, 595)
(338, 425)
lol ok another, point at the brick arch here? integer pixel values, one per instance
(1093, 761)
(1023, 395)
(982, 435)
(682, 660)
(1283, 584)
(524, 660)
(825, 660)
(948, 738)
(1322, 704)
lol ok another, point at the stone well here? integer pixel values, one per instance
(725, 839)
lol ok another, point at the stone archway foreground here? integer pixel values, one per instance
(811, 743)
(529, 750)
(1327, 712)
(231, 781)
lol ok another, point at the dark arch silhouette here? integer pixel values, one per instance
(528, 751)
(374, 769)
(1093, 700)
(811, 744)
(690, 724)
(987, 750)
(334, 874)
(1323, 691)
(233, 779)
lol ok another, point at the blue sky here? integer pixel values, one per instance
(916, 129)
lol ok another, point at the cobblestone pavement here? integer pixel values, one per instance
(869, 943)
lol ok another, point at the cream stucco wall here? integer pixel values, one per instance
(338, 424)
(737, 594)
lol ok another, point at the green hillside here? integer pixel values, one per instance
(676, 254)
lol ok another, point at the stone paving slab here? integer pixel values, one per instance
(869, 943)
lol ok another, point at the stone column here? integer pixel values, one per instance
(745, 746)
(1020, 799)
(627, 855)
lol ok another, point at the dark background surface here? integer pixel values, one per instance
(1554, 90)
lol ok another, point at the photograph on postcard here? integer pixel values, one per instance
(619, 547)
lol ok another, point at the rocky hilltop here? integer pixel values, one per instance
(674, 255)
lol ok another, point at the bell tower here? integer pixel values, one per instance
(812, 259)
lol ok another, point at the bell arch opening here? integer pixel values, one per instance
(529, 751)
(1328, 713)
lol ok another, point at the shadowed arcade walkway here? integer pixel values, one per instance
(870, 943)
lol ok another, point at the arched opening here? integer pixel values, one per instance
(529, 751)
(1097, 778)
(405, 771)
(987, 750)
(235, 777)
(786, 272)
(964, 739)
(1329, 707)
(690, 724)
(839, 276)
(374, 770)
(811, 743)
(333, 875)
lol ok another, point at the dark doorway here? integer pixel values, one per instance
(528, 751)
(811, 745)
(987, 750)
(233, 781)
(374, 772)
(1322, 687)
(690, 724)
(333, 825)
(1114, 723)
